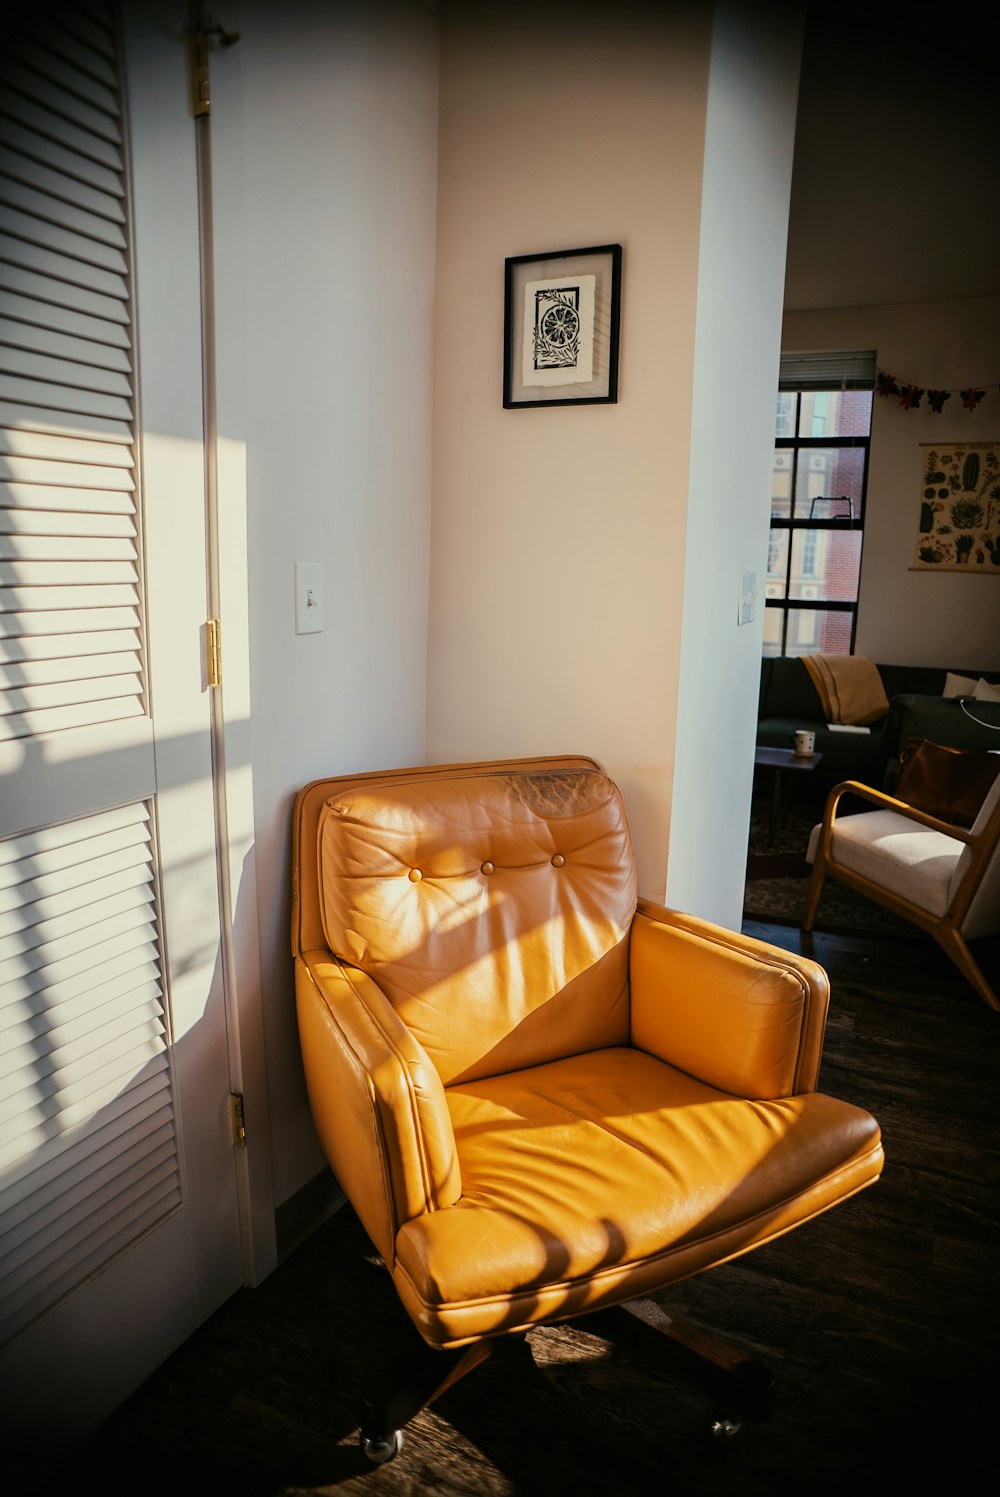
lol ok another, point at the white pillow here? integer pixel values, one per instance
(984, 692)
(958, 686)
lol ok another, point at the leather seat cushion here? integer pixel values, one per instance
(590, 1179)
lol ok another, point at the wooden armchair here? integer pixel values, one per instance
(941, 877)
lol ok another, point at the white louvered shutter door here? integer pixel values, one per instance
(90, 1139)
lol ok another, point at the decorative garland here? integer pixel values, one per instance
(910, 396)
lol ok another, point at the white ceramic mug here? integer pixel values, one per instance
(805, 742)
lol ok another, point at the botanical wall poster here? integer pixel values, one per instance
(959, 508)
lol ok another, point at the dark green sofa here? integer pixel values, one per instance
(788, 700)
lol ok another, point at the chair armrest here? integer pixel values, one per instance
(739, 1014)
(377, 1101)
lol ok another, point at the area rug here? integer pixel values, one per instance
(778, 880)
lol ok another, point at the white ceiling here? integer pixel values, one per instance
(895, 192)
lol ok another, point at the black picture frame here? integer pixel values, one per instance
(562, 322)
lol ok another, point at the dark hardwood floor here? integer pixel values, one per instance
(879, 1318)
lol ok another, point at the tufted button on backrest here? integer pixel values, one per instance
(497, 950)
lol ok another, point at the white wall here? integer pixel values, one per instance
(744, 214)
(325, 135)
(564, 555)
(907, 617)
(558, 533)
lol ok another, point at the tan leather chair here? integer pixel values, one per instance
(944, 878)
(542, 1096)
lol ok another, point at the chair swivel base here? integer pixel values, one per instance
(739, 1385)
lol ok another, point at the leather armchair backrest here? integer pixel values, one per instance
(493, 911)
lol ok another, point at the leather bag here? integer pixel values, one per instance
(948, 783)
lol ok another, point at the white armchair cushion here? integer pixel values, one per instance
(897, 854)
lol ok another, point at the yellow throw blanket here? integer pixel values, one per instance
(849, 687)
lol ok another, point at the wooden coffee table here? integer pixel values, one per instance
(779, 760)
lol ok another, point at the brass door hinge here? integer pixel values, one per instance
(201, 91)
(213, 652)
(239, 1123)
(201, 85)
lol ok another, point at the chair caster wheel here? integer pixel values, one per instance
(723, 1428)
(380, 1451)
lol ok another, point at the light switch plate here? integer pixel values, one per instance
(748, 598)
(308, 597)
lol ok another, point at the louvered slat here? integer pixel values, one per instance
(73, 1106)
(65, 1023)
(60, 852)
(25, 497)
(48, 647)
(54, 111)
(40, 1214)
(129, 973)
(65, 1236)
(76, 1071)
(75, 74)
(62, 293)
(105, 595)
(64, 670)
(58, 1162)
(68, 398)
(61, 185)
(20, 247)
(59, 370)
(94, 1166)
(37, 222)
(75, 350)
(88, 1155)
(142, 1209)
(56, 1159)
(39, 418)
(82, 177)
(45, 446)
(70, 621)
(34, 573)
(53, 549)
(75, 1251)
(16, 938)
(33, 996)
(64, 221)
(48, 951)
(83, 42)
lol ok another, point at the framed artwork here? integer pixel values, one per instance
(562, 315)
(959, 529)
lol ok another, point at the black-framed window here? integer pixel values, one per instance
(818, 493)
